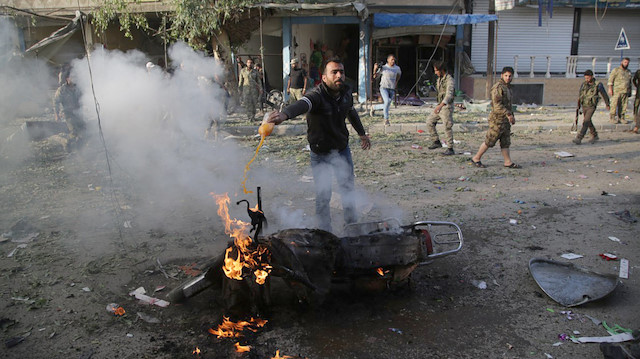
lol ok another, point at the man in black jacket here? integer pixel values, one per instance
(327, 106)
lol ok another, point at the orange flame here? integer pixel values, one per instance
(229, 329)
(119, 311)
(242, 348)
(196, 351)
(247, 254)
(281, 357)
(380, 271)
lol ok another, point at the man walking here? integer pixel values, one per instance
(500, 120)
(249, 85)
(297, 84)
(444, 109)
(66, 105)
(619, 91)
(588, 102)
(327, 106)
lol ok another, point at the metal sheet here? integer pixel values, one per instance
(570, 285)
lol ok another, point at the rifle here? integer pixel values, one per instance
(575, 123)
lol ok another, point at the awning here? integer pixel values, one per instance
(50, 45)
(398, 20)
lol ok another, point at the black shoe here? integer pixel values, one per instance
(449, 152)
(436, 144)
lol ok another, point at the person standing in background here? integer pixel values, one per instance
(390, 75)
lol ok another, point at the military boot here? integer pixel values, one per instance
(435, 144)
(577, 140)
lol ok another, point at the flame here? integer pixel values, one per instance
(380, 271)
(229, 329)
(242, 348)
(245, 253)
(196, 351)
(119, 311)
(281, 357)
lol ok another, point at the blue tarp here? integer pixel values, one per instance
(395, 20)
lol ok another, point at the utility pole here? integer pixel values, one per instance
(490, 49)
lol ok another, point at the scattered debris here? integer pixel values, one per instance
(615, 239)
(607, 194)
(571, 256)
(618, 338)
(624, 269)
(20, 246)
(115, 309)
(608, 256)
(479, 284)
(569, 284)
(513, 221)
(625, 216)
(563, 154)
(141, 296)
(12, 342)
(396, 330)
(416, 147)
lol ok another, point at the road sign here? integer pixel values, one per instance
(623, 41)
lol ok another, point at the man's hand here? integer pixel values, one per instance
(365, 142)
(610, 91)
(438, 108)
(512, 119)
(277, 118)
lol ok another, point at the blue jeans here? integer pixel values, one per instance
(387, 96)
(341, 164)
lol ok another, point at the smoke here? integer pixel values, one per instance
(25, 85)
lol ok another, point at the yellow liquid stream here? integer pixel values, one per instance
(264, 131)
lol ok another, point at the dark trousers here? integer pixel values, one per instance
(322, 166)
(587, 124)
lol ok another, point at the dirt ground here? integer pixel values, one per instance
(56, 286)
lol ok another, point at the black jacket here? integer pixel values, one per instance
(326, 127)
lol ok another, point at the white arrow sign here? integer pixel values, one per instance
(623, 41)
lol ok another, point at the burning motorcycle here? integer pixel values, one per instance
(376, 254)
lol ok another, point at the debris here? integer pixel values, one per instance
(86, 289)
(571, 256)
(463, 178)
(479, 284)
(306, 179)
(549, 356)
(608, 256)
(570, 285)
(625, 215)
(129, 335)
(615, 239)
(20, 246)
(159, 288)
(115, 309)
(563, 154)
(396, 330)
(563, 337)
(595, 321)
(141, 296)
(147, 318)
(618, 338)
(607, 194)
(519, 201)
(624, 269)
(12, 342)
(416, 147)
(513, 221)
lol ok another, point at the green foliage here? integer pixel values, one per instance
(193, 21)
(121, 10)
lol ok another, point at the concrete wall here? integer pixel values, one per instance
(557, 90)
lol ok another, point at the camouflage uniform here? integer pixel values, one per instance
(499, 126)
(588, 101)
(620, 79)
(250, 86)
(445, 88)
(66, 102)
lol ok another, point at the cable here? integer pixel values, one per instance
(444, 26)
(102, 140)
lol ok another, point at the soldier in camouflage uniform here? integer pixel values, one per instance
(444, 109)
(66, 104)
(249, 84)
(619, 90)
(588, 102)
(500, 120)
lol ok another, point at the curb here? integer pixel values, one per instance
(301, 129)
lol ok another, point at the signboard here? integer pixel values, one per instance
(623, 41)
